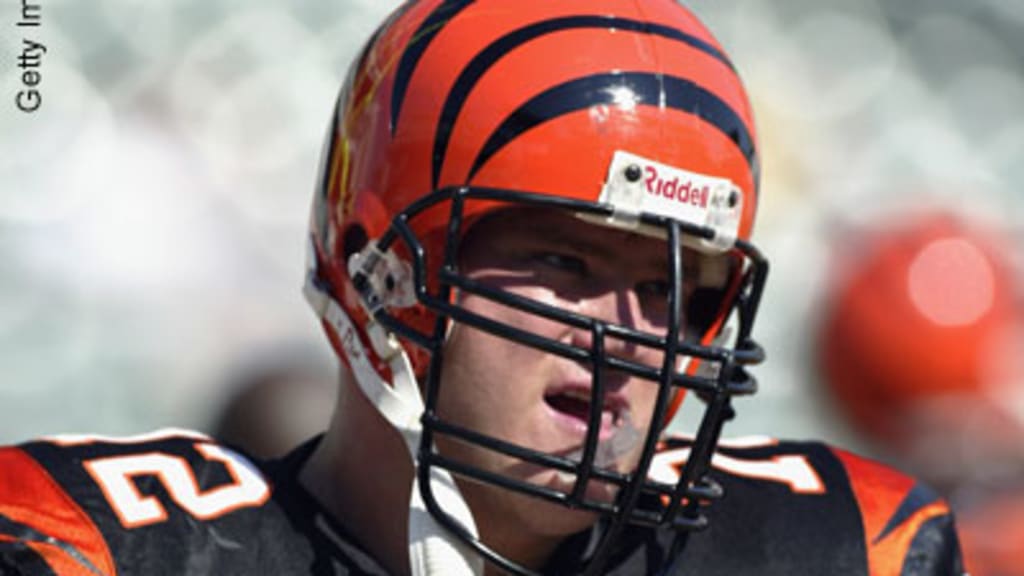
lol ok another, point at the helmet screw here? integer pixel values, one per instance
(633, 173)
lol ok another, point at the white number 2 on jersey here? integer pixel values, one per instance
(116, 475)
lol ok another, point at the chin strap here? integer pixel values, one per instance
(433, 551)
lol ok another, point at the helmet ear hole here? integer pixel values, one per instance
(353, 240)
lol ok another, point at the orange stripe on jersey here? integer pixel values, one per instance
(30, 497)
(881, 494)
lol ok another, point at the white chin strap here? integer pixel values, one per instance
(432, 549)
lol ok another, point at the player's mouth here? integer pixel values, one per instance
(571, 405)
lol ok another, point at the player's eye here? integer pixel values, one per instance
(653, 289)
(562, 262)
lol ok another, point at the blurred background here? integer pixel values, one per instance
(153, 210)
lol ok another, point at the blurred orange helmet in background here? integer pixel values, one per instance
(920, 343)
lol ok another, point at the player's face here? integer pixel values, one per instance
(540, 400)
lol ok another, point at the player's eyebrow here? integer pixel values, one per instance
(552, 232)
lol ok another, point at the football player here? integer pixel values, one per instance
(531, 240)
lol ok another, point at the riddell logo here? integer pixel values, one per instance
(685, 192)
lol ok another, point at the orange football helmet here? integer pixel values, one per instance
(625, 113)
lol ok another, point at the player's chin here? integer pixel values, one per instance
(596, 492)
(557, 519)
(541, 515)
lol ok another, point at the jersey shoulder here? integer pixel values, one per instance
(814, 505)
(185, 465)
(82, 504)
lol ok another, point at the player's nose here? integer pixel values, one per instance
(615, 307)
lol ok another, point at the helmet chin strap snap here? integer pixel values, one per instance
(432, 549)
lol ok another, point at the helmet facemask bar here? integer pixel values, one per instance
(639, 500)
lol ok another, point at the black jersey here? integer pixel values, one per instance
(172, 502)
(177, 502)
